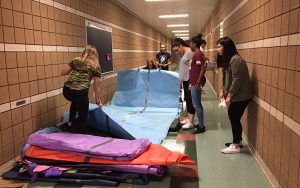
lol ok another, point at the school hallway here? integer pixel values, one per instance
(127, 45)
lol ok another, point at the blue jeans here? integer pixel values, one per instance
(196, 99)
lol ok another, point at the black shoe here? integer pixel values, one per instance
(228, 144)
(198, 130)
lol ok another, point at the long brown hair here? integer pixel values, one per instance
(90, 55)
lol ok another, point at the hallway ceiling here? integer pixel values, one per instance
(199, 11)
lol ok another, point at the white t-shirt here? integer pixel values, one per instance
(184, 66)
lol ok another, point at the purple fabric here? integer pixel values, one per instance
(48, 172)
(103, 147)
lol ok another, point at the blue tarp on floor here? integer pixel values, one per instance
(126, 108)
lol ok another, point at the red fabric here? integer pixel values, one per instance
(155, 155)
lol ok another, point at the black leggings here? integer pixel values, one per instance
(188, 98)
(235, 113)
(79, 103)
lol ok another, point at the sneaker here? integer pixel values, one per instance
(184, 121)
(198, 130)
(231, 149)
(188, 125)
(240, 144)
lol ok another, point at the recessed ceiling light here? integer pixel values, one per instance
(178, 25)
(173, 16)
(180, 31)
(182, 34)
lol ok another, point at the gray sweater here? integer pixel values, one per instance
(236, 80)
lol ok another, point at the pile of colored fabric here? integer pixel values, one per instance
(92, 160)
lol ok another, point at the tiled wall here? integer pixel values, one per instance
(36, 38)
(267, 34)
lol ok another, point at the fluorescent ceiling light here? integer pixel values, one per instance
(180, 31)
(173, 16)
(182, 34)
(178, 25)
(185, 38)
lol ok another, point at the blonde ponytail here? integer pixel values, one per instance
(90, 55)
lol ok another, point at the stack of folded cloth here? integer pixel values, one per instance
(92, 160)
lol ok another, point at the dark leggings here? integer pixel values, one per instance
(235, 113)
(79, 103)
(188, 98)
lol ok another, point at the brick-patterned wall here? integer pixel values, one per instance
(35, 36)
(267, 34)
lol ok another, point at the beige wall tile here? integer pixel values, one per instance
(291, 61)
(27, 6)
(297, 84)
(293, 168)
(5, 120)
(37, 37)
(49, 84)
(9, 34)
(23, 74)
(45, 38)
(8, 152)
(39, 57)
(17, 5)
(285, 24)
(32, 73)
(28, 127)
(44, 106)
(45, 24)
(7, 17)
(28, 21)
(20, 35)
(280, 100)
(295, 150)
(31, 58)
(7, 136)
(33, 87)
(3, 78)
(296, 111)
(24, 90)
(281, 78)
(18, 144)
(29, 37)
(290, 81)
(44, 10)
(12, 75)
(2, 60)
(36, 8)
(21, 58)
(286, 5)
(36, 123)
(51, 12)
(288, 103)
(4, 98)
(18, 131)
(18, 19)
(42, 86)
(294, 4)
(294, 21)
(17, 116)
(275, 77)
